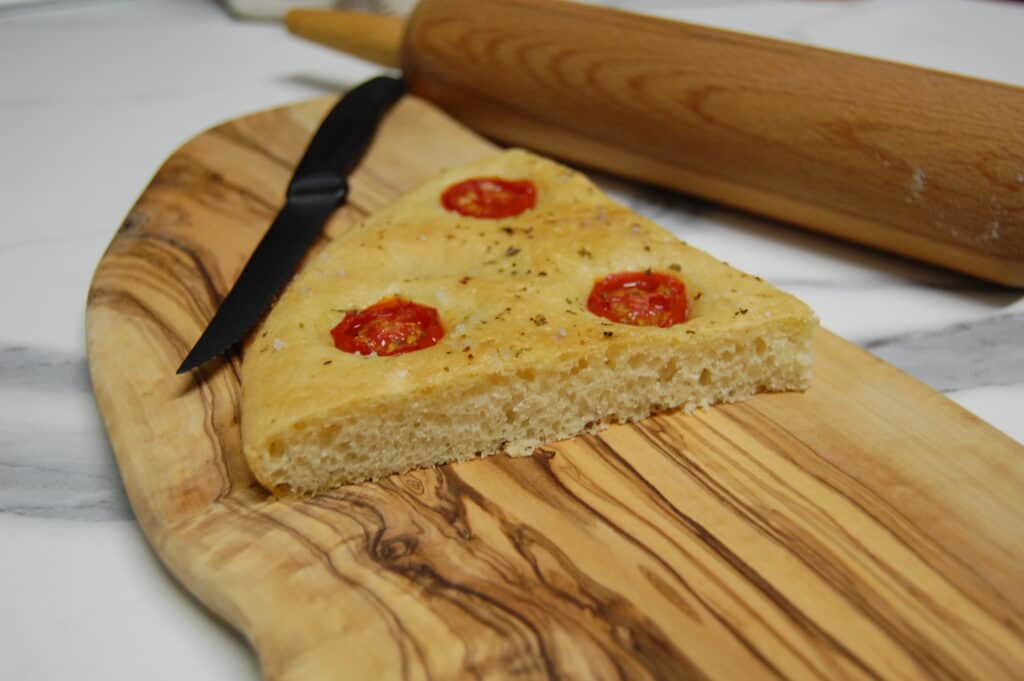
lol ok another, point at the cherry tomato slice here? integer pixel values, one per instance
(639, 299)
(490, 197)
(389, 327)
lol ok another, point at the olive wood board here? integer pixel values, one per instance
(869, 528)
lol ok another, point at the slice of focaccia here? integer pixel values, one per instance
(500, 306)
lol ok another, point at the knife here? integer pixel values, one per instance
(319, 185)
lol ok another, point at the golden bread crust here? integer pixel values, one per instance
(511, 294)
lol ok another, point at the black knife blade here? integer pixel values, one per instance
(319, 185)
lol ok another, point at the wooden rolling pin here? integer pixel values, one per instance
(917, 162)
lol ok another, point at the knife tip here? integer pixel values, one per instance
(186, 366)
(194, 359)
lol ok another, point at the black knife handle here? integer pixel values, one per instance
(338, 146)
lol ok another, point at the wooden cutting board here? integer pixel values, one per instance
(869, 528)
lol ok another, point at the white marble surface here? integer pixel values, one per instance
(94, 95)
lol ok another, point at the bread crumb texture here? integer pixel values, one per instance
(523, 362)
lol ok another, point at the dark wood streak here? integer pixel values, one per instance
(265, 514)
(828, 566)
(233, 133)
(728, 556)
(418, 569)
(394, 624)
(821, 561)
(399, 632)
(202, 306)
(449, 508)
(760, 426)
(133, 304)
(612, 457)
(656, 641)
(214, 434)
(401, 554)
(211, 189)
(651, 649)
(162, 254)
(789, 542)
(134, 307)
(867, 600)
(128, 303)
(670, 594)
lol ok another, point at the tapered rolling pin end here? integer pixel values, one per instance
(374, 37)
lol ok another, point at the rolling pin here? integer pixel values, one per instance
(921, 163)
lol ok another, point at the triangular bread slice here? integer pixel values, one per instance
(523, 362)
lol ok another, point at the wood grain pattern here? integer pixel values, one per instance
(869, 529)
(921, 163)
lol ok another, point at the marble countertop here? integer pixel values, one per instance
(94, 95)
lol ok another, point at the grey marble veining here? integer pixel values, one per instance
(22, 366)
(60, 473)
(986, 352)
(58, 470)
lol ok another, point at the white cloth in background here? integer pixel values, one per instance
(274, 9)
